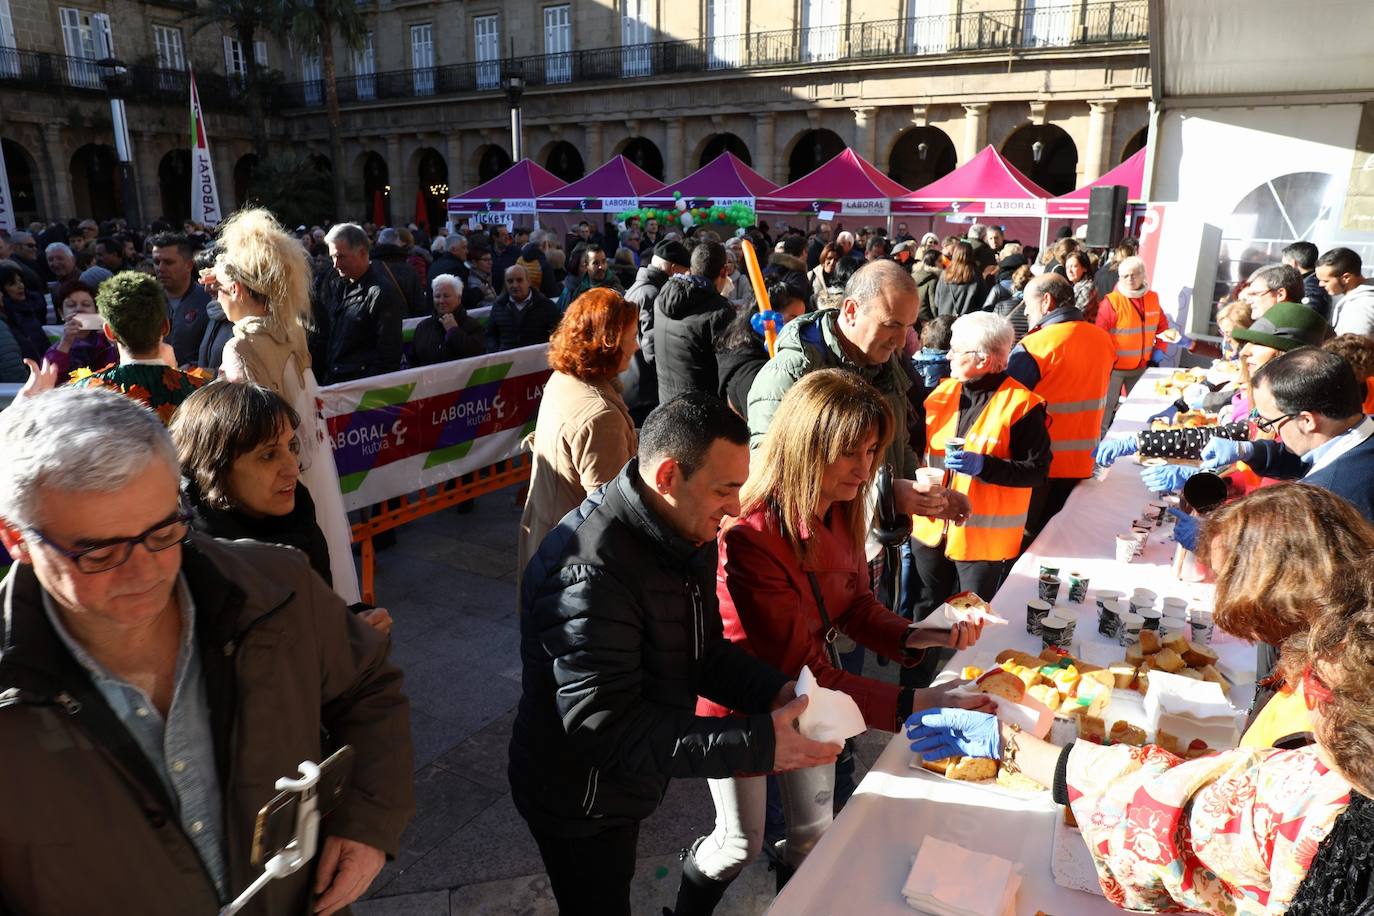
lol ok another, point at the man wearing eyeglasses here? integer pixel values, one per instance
(1309, 401)
(1271, 285)
(155, 683)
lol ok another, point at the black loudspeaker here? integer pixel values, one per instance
(1106, 216)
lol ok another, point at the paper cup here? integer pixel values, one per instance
(1175, 608)
(1150, 618)
(1129, 632)
(1048, 570)
(1158, 511)
(1200, 621)
(1036, 611)
(1054, 632)
(1125, 548)
(933, 476)
(1078, 587)
(1049, 588)
(1103, 595)
(954, 445)
(1109, 619)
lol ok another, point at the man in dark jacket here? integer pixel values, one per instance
(187, 301)
(521, 316)
(218, 330)
(453, 259)
(640, 381)
(689, 314)
(357, 314)
(505, 252)
(391, 260)
(1302, 257)
(619, 634)
(154, 687)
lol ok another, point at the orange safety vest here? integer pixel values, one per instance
(998, 521)
(1075, 360)
(1134, 333)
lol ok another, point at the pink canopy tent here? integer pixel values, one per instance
(513, 191)
(612, 188)
(986, 185)
(847, 185)
(723, 181)
(1130, 173)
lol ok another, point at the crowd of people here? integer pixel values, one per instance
(699, 527)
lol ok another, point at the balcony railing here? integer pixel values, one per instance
(40, 71)
(1071, 26)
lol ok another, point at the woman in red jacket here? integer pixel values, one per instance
(800, 538)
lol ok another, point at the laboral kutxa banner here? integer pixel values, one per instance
(395, 433)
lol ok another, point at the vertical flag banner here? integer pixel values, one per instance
(7, 217)
(204, 194)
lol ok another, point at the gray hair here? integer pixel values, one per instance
(75, 440)
(1129, 264)
(1052, 283)
(456, 241)
(438, 245)
(978, 232)
(843, 237)
(1280, 276)
(517, 269)
(388, 236)
(350, 235)
(59, 246)
(447, 280)
(877, 279)
(983, 332)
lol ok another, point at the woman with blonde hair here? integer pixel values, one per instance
(583, 435)
(261, 278)
(792, 572)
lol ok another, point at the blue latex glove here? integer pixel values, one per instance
(1157, 358)
(1109, 450)
(965, 462)
(1219, 452)
(1167, 477)
(1167, 413)
(1185, 528)
(946, 732)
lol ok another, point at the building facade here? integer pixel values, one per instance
(916, 86)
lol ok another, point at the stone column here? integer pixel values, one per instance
(223, 159)
(865, 136)
(975, 130)
(592, 146)
(765, 124)
(453, 155)
(1102, 115)
(675, 160)
(57, 165)
(400, 207)
(146, 159)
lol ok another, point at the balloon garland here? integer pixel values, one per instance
(740, 215)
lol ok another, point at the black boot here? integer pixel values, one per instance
(697, 895)
(783, 872)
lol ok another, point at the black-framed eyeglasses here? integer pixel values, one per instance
(109, 554)
(1266, 425)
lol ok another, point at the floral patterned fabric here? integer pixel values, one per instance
(1231, 833)
(160, 388)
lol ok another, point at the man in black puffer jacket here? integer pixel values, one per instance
(640, 381)
(619, 634)
(392, 261)
(689, 314)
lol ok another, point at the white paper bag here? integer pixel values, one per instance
(947, 615)
(1189, 709)
(831, 715)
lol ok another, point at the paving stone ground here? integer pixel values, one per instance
(449, 583)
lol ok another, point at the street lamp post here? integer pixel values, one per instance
(515, 87)
(115, 77)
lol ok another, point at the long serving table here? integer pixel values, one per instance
(863, 860)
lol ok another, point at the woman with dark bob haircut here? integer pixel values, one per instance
(240, 474)
(584, 434)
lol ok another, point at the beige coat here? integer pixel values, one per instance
(582, 439)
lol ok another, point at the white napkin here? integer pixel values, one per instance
(830, 716)
(948, 880)
(947, 615)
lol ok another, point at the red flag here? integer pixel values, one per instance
(378, 208)
(421, 210)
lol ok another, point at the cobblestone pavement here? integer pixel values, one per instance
(449, 583)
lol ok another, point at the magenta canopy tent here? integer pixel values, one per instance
(1130, 173)
(723, 181)
(847, 185)
(513, 191)
(986, 185)
(612, 188)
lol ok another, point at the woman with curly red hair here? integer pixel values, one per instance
(584, 434)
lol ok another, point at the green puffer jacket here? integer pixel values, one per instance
(812, 342)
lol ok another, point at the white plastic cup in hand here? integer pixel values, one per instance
(930, 476)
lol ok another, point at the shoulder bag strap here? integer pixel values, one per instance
(830, 630)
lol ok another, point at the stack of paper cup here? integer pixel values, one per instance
(1142, 598)
(1201, 620)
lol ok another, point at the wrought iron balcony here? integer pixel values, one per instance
(40, 71)
(1121, 21)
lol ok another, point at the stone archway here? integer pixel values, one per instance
(1046, 154)
(22, 172)
(245, 170)
(491, 160)
(1135, 144)
(376, 183)
(564, 160)
(174, 185)
(811, 150)
(431, 172)
(724, 143)
(920, 155)
(97, 188)
(644, 153)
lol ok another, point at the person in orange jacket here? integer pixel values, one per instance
(1140, 329)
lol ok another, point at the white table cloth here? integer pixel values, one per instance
(860, 864)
